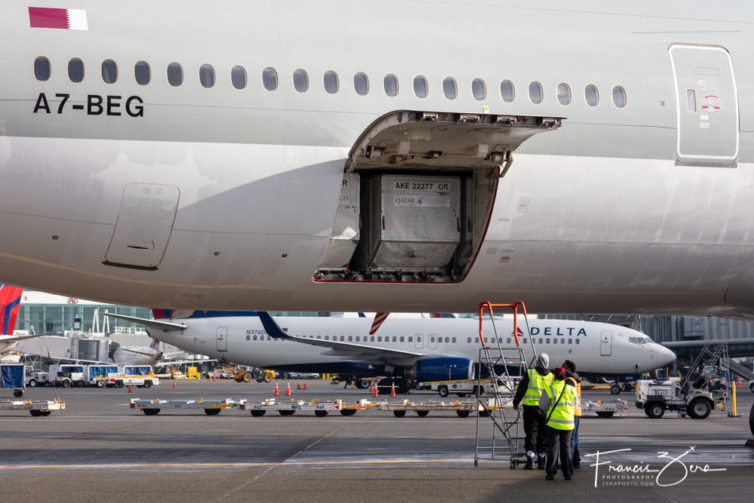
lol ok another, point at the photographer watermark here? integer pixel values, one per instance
(666, 471)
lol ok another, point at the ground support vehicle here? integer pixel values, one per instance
(320, 409)
(657, 396)
(211, 407)
(35, 407)
(605, 408)
(140, 381)
(12, 377)
(38, 379)
(460, 387)
(66, 375)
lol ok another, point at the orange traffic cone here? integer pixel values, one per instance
(174, 385)
(739, 383)
(298, 384)
(375, 390)
(371, 386)
(129, 389)
(304, 384)
(288, 389)
(392, 390)
(277, 390)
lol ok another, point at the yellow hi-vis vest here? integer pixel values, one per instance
(561, 416)
(537, 384)
(577, 385)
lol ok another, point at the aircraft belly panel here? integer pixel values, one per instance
(144, 225)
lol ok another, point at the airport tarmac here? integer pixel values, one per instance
(100, 450)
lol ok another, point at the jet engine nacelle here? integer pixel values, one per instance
(444, 368)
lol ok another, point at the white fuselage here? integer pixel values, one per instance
(594, 347)
(196, 196)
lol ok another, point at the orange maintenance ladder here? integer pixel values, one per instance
(498, 358)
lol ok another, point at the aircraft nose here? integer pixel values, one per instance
(664, 355)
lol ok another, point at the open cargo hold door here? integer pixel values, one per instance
(418, 192)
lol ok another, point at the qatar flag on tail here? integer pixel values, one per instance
(63, 19)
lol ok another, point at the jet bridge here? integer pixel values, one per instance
(417, 194)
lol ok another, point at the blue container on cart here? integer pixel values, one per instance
(12, 376)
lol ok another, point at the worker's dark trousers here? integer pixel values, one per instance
(559, 444)
(534, 427)
(575, 454)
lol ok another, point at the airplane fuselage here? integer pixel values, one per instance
(207, 195)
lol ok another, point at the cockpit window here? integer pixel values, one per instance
(640, 340)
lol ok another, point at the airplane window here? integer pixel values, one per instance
(619, 97)
(508, 340)
(379, 338)
(255, 337)
(418, 338)
(570, 341)
(248, 337)
(142, 73)
(564, 93)
(175, 74)
(447, 340)
(402, 339)
(492, 340)
(109, 71)
(76, 70)
(547, 340)
(578, 341)
(431, 339)
(331, 82)
(269, 338)
(42, 68)
(410, 339)
(476, 339)
(270, 79)
(319, 337)
(342, 338)
(371, 338)
(301, 80)
(592, 95)
(541, 341)
(358, 338)
(361, 83)
(536, 95)
(207, 76)
(350, 338)
(391, 85)
(478, 89)
(454, 340)
(395, 339)
(562, 341)
(507, 91)
(421, 87)
(691, 99)
(449, 88)
(468, 340)
(238, 77)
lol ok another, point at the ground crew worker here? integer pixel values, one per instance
(531, 387)
(573, 378)
(559, 400)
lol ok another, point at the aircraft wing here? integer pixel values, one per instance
(358, 351)
(162, 325)
(6, 339)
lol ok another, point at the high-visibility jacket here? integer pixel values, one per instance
(561, 415)
(577, 386)
(537, 384)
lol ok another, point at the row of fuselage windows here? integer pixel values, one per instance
(432, 339)
(142, 73)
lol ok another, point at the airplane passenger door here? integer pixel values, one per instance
(606, 343)
(144, 225)
(222, 338)
(707, 105)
